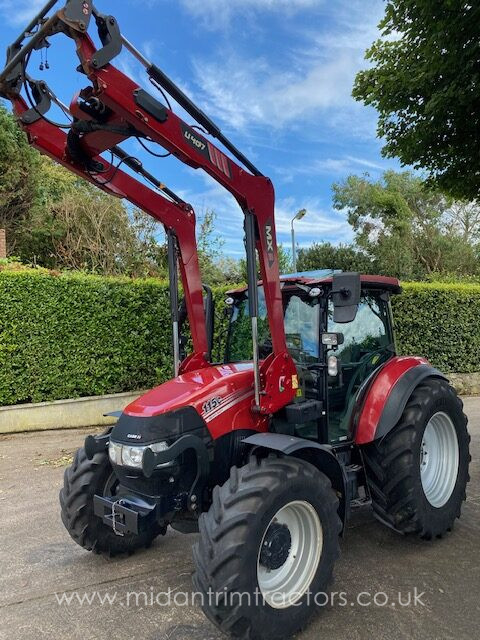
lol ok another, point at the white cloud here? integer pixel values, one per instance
(313, 80)
(318, 225)
(219, 13)
(244, 92)
(19, 13)
(368, 164)
(331, 167)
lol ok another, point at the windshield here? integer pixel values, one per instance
(239, 344)
(301, 328)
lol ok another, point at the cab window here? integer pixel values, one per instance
(368, 343)
(302, 329)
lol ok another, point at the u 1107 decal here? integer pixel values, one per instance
(198, 142)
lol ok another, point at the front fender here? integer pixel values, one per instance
(320, 455)
(388, 395)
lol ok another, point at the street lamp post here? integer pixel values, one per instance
(301, 214)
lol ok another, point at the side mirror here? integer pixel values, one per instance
(346, 288)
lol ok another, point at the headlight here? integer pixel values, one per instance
(115, 452)
(158, 447)
(128, 456)
(132, 456)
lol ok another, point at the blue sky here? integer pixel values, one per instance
(276, 75)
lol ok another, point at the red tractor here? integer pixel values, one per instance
(310, 412)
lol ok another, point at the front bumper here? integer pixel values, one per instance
(134, 508)
(133, 515)
(124, 516)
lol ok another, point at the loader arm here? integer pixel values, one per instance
(178, 217)
(114, 108)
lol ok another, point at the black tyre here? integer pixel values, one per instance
(82, 480)
(418, 473)
(273, 517)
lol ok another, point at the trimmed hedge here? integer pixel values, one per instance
(70, 335)
(440, 322)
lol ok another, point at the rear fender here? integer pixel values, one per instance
(388, 395)
(321, 456)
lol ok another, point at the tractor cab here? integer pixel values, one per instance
(337, 350)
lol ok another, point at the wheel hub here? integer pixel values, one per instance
(423, 455)
(439, 459)
(276, 546)
(289, 554)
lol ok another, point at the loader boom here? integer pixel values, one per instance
(179, 216)
(114, 108)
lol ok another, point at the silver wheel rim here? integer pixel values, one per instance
(283, 587)
(439, 459)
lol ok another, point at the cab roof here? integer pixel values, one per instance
(325, 277)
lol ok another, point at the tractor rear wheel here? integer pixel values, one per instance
(267, 548)
(418, 473)
(82, 481)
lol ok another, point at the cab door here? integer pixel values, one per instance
(367, 344)
(302, 330)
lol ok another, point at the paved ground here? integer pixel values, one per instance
(38, 561)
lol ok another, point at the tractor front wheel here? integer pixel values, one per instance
(418, 473)
(267, 548)
(82, 481)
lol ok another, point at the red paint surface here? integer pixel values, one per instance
(232, 384)
(383, 282)
(379, 393)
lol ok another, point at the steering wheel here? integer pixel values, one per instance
(363, 365)
(369, 357)
(265, 349)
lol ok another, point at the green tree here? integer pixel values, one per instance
(36, 233)
(424, 83)
(209, 246)
(284, 259)
(150, 254)
(19, 175)
(404, 226)
(216, 268)
(284, 264)
(93, 232)
(57, 220)
(327, 256)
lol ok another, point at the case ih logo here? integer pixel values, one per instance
(269, 242)
(204, 147)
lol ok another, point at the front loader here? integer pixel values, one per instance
(311, 411)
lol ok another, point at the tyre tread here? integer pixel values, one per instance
(390, 463)
(234, 506)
